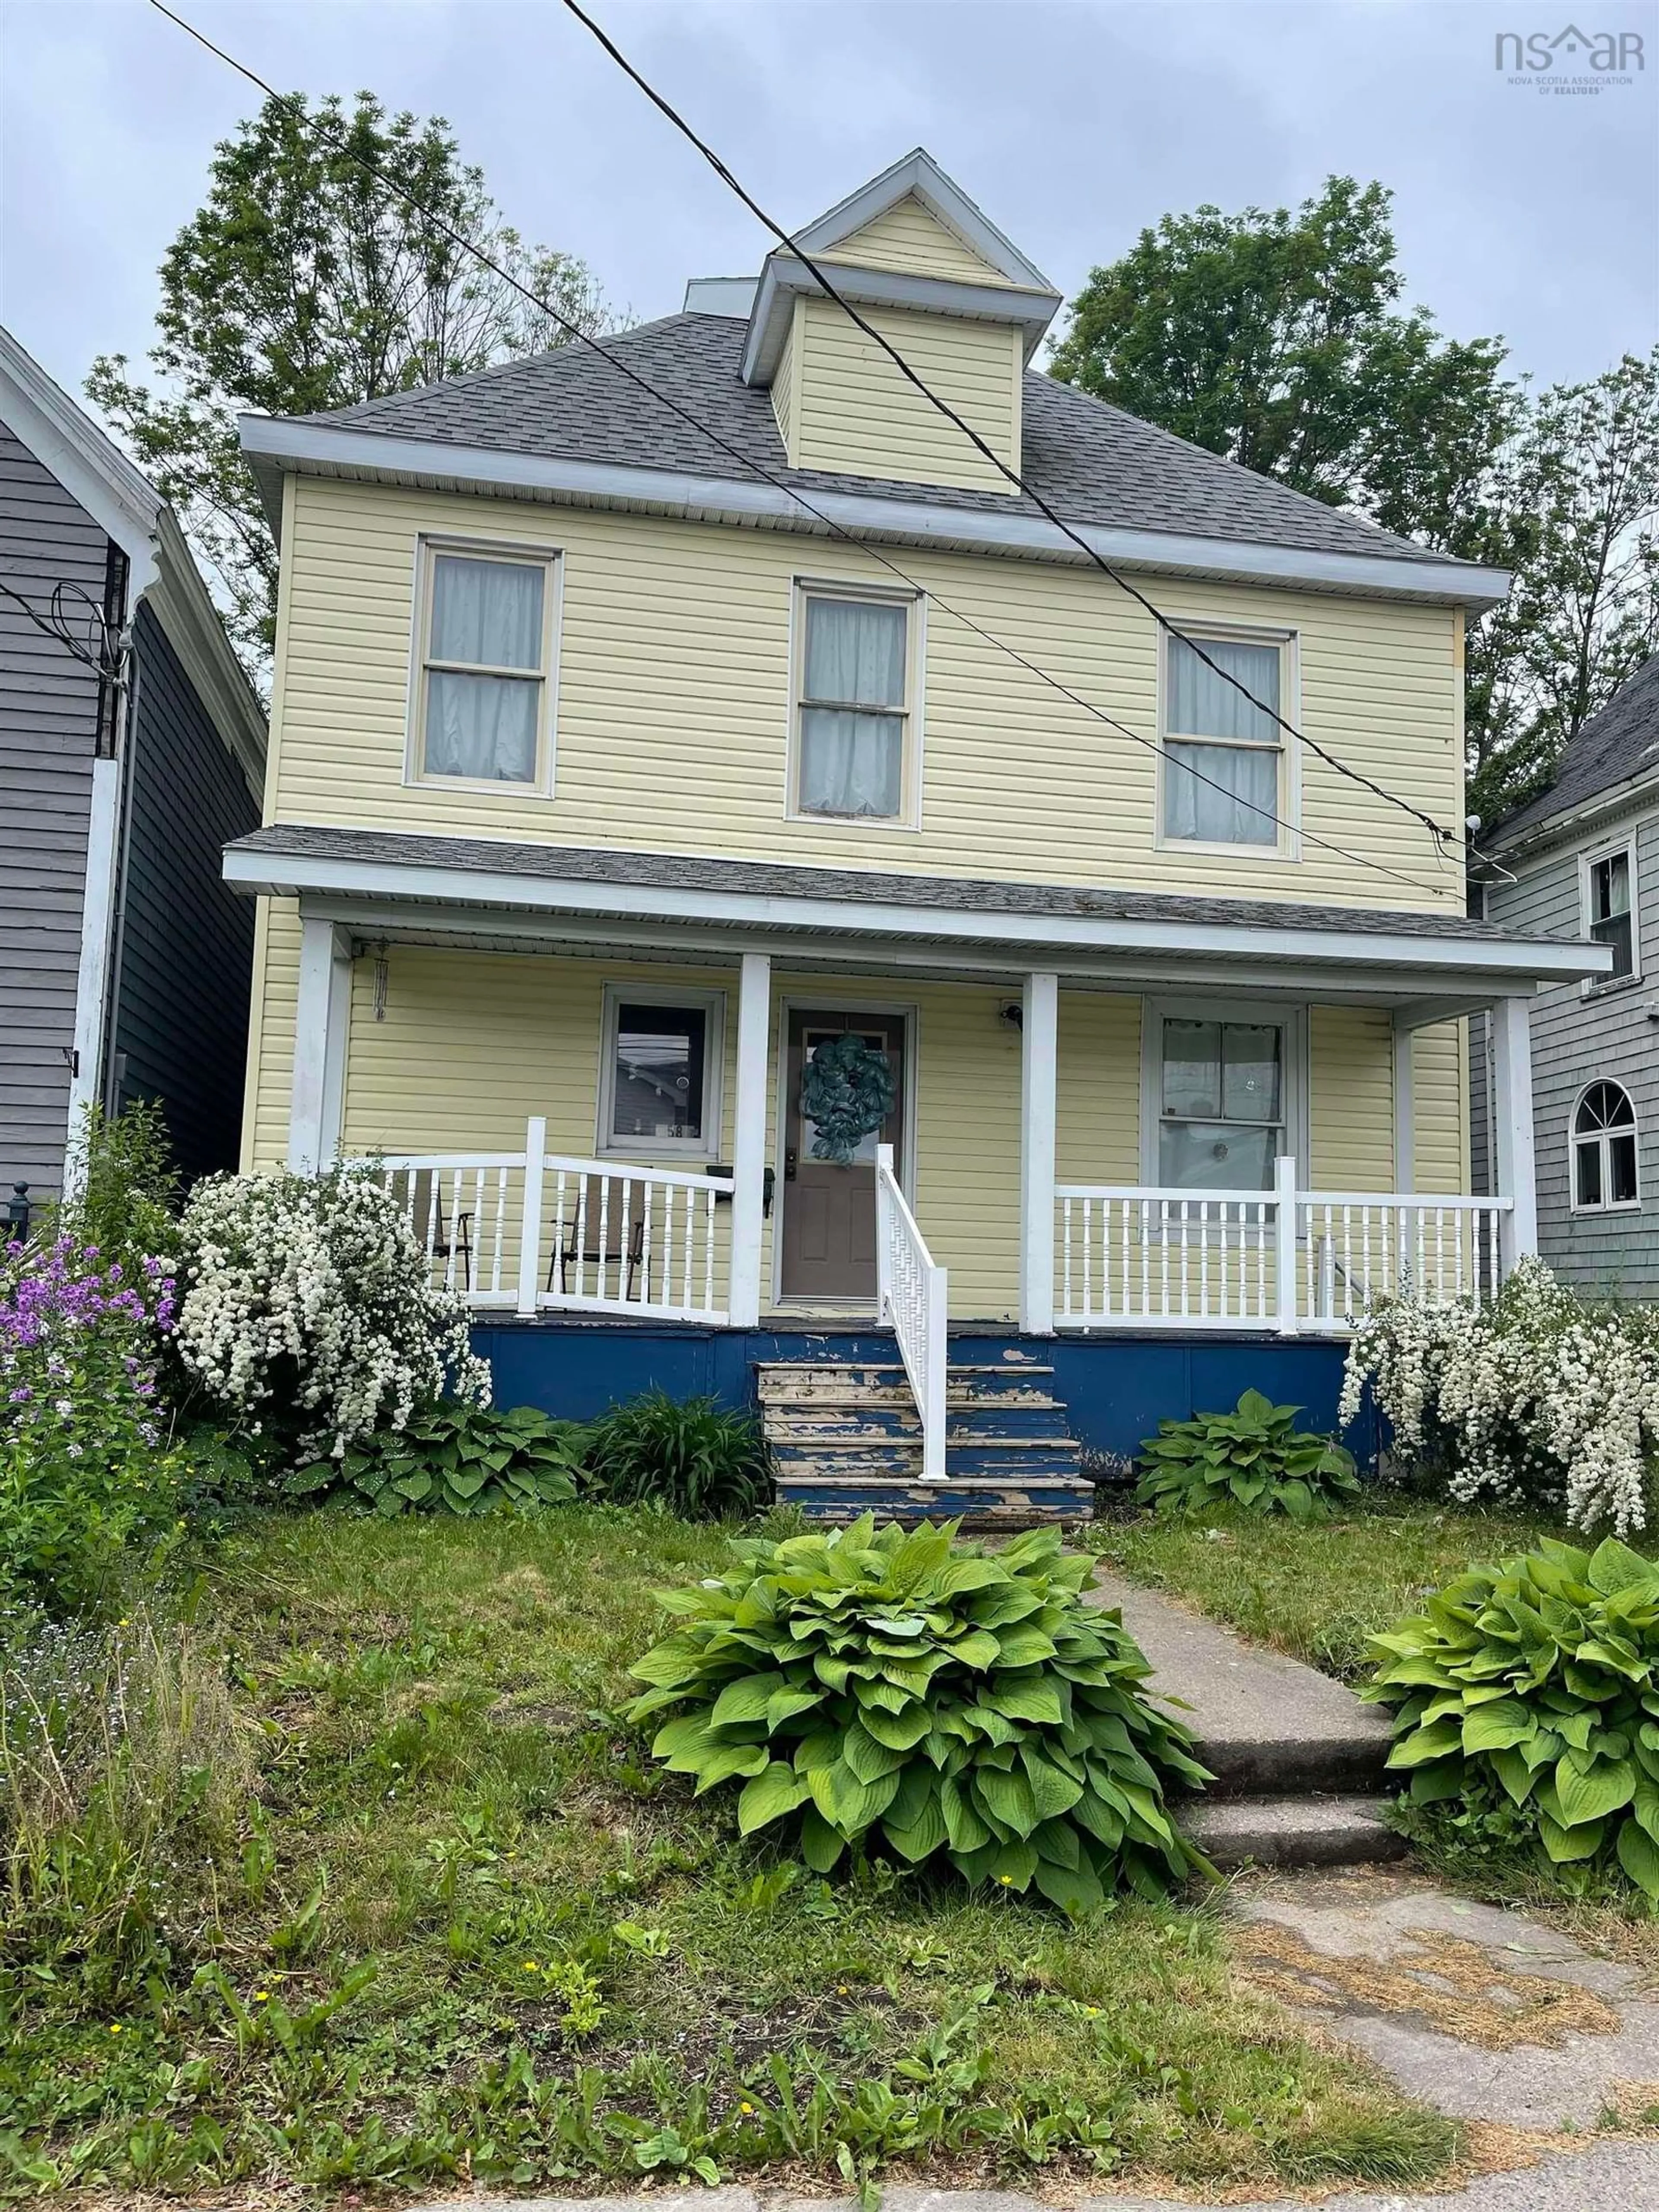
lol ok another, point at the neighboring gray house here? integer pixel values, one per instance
(131, 750)
(1585, 857)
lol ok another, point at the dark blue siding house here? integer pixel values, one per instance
(131, 750)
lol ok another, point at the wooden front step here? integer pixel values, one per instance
(845, 1438)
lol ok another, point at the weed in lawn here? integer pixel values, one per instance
(406, 1934)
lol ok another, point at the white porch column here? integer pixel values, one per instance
(1039, 1037)
(321, 1019)
(749, 1137)
(1405, 1109)
(1517, 1176)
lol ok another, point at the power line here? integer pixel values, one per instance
(982, 445)
(572, 330)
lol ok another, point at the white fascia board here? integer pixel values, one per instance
(919, 172)
(682, 944)
(313, 448)
(292, 875)
(94, 470)
(783, 276)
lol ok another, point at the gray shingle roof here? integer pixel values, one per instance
(1092, 462)
(1618, 742)
(487, 856)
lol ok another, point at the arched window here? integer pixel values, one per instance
(1603, 1149)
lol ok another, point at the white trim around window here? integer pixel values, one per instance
(907, 711)
(711, 1006)
(1286, 844)
(1599, 880)
(1604, 1150)
(1290, 1021)
(520, 670)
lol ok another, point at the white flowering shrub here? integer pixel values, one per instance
(309, 1306)
(1536, 1397)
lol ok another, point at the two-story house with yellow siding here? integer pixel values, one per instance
(770, 899)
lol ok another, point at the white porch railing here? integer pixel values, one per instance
(533, 1232)
(1285, 1260)
(912, 1292)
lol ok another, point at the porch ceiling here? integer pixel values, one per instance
(491, 893)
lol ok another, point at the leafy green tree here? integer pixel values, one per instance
(1277, 339)
(308, 281)
(1578, 489)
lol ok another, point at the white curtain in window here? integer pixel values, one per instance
(853, 762)
(850, 763)
(1221, 794)
(1203, 704)
(487, 614)
(854, 653)
(483, 727)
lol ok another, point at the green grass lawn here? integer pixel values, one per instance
(1318, 1592)
(382, 1893)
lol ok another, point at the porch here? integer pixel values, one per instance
(1113, 1116)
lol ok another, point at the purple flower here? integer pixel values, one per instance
(21, 1395)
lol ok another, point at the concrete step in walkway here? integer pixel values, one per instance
(1298, 1761)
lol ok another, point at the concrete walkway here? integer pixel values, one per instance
(1488, 2016)
(1605, 2177)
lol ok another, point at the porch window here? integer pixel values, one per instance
(1224, 781)
(1604, 1150)
(1607, 888)
(854, 709)
(1221, 1122)
(660, 1088)
(487, 637)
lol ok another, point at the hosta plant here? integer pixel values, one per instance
(1255, 1456)
(910, 1694)
(450, 1457)
(1542, 1674)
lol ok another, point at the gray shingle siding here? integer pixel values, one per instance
(1576, 1041)
(48, 724)
(186, 955)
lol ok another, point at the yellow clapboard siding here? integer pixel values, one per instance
(1097, 1090)
(785, 382)
(673, 705)
(1350, 1099)
(270, 1042)
(909, 238)
(1440, 1087)
(858, 416)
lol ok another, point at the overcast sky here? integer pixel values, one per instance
(1073, 125)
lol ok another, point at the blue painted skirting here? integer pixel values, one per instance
(1116, 1388)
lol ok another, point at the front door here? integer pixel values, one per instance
(829, 1211)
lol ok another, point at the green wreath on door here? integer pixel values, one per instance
(847, 1089)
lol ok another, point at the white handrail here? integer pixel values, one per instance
(912, 1290)
(1281, 1258)
(591, 1235)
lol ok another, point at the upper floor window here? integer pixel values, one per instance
(1604, 1150)
(854, 747)
(1224, 776)
(486, 636)
(1607, 914)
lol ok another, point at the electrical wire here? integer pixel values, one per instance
(1443, 835)
(746, 461)
(104, 660)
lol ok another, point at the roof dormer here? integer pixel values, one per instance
(963, 305)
